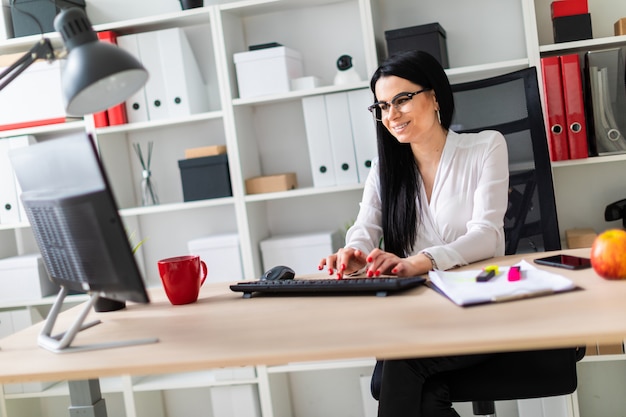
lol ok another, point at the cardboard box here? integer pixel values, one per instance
(205, 177)
(271, 183)
(24, 278)
(580, 238)
(430, 38)
(205, 151)
(572, 28)
(267, 71)
(301, 252)
(222, 255)
(620, 27)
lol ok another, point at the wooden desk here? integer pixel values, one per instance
(224, 329)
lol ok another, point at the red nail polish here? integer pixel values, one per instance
(320, 267)
(330, 271)
(343, 267)
(370, 259)
(378, 273)
(394, 271)
(370, 274)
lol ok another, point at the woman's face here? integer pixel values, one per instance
(415, 116)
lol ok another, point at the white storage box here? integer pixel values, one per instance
(302, 253)
(235, 401)
(34, 98)
(24, 278)
(221, 254)
(267, 71)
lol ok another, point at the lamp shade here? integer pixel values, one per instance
(97, 75)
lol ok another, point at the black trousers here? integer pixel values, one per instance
(418, 388)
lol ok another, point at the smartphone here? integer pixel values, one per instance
(565, 261)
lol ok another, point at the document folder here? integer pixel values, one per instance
(574, 106)
(606, 89)
(555, 108)
(462, 288)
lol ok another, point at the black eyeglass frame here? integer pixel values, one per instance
(374, 108)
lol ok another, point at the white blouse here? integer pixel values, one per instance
(464, 221)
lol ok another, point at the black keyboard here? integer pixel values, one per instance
(380, 286)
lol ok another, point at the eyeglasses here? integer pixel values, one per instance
(401, 102)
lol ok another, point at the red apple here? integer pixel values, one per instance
(608, 254)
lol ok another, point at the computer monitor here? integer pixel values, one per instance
(77, 227)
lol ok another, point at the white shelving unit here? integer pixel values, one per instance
(266, 135)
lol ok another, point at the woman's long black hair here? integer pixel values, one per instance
(399, 176)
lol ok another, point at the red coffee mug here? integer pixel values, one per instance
(182, 277)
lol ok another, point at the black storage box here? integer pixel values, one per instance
(572, 28)
(430, 38)
(205, 177)
(43, 10)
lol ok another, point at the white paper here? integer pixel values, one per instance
(462, 288)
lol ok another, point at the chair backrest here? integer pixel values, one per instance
(511, 104)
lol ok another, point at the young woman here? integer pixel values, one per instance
(435, 199)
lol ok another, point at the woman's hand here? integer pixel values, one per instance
(345, 261)
(381, 262)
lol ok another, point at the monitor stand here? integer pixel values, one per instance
(61, 342)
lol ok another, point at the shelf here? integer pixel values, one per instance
(200, 379)
(302, 192)
(164, 208)
(590, 161)
(247, 8)
(584, 45)
(182, 18)
(318, 366)
(296, 95)
(61, 389)
(46, 301)
(73, 126)
(604, 358)
(158, 124)
(476, 72)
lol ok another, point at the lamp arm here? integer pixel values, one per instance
(41, 50)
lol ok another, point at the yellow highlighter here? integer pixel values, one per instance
(487, 273)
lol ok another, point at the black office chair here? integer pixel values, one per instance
(511, 104)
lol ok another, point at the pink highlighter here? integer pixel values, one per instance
(515, 273)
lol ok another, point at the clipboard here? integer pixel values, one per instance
(462, 289)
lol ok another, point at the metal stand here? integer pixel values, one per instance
(62, 342)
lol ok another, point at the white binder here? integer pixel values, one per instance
(363, 131)
(11, 207)
(185, 89)
(156, 96)
(340, 128)
(136, 106)
(318, 140)
(14, 143)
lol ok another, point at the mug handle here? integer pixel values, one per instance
(204, 272)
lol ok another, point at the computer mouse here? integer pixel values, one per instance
(278, 272)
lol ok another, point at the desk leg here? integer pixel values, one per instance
(86, 399)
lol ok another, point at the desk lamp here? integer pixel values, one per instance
(96, 76)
